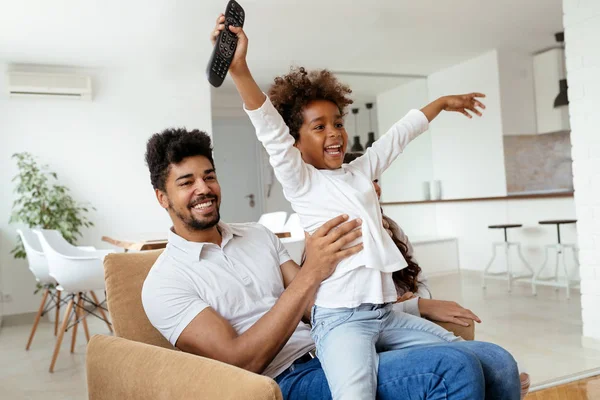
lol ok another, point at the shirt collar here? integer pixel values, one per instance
(193, 250)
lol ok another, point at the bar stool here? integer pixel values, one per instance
(560, 254)
(506, 245)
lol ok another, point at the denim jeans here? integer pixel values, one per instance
(367, 330)
(452, 371)
(349, 342)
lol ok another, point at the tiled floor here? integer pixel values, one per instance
(542, 332)
(24, 374)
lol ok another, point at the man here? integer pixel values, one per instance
(225, 291)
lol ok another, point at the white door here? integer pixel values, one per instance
(238, 169)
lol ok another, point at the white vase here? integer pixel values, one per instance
(426, 191)
(436, 190)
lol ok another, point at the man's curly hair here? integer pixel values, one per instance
(171, 146)
(292, 92)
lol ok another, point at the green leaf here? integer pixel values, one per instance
(38, 203)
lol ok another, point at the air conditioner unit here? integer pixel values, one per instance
(35, 84)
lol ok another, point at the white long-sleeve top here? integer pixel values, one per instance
(320, 195)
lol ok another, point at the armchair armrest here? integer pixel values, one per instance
(118, 368)
(466, 332)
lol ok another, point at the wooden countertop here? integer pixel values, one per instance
(526, 196)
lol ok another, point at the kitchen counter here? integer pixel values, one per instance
(513, 196)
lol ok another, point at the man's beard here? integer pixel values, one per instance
(194, 224)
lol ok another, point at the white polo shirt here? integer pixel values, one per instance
(241, 280)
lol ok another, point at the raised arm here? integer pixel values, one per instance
(387, 148)
(270, 127)
(212, 336)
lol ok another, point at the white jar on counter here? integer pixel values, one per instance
(436, 190)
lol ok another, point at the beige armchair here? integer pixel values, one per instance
(141, 364)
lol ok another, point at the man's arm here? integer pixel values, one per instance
(388, 147)
(212, 336)
(289, 270)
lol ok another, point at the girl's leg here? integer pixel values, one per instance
(345, 340)
(401, 330)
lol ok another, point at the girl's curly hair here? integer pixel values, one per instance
(292, 92)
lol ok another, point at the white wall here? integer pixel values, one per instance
(227, 105)
(236, 155)
(582, 30)
(97, 148)
(517, 93)
(468, 155)
(403, 181)
(468, 222)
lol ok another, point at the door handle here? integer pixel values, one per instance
(251, 199)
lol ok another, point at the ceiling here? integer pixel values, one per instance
(390, 36)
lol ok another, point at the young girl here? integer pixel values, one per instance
(302, 128)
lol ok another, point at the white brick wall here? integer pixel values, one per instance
(582, 32)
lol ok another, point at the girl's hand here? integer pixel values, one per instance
(463, 102)
(239, 58)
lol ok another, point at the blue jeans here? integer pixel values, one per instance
(453, 371)
(367, 330)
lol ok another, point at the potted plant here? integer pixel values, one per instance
(43, 203)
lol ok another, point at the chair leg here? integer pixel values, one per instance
(539, 272)
(567, 277)
(61, 333)
(37, 318)
(489, 265)
(575, 276)
(558, 255)
(508, 270)
(57, 317)
(102, 312)
(76, 324)
(525, 263)
(82, 312)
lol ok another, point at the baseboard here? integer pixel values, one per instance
(565, 380)
(18, 319)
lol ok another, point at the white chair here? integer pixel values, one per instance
(571, 279)
(508, 274)
(295, 248)
(294, 226)
(79, 272)
(38, 265)
(274, 221)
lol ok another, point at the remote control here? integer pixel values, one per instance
(225, 46)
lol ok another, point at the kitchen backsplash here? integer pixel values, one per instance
(538, 162)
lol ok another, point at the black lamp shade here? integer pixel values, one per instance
(356, 146)
(562, 99)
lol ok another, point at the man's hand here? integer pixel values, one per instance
(239, 58)
(445, 311)
(325, 248)
(463, 102)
